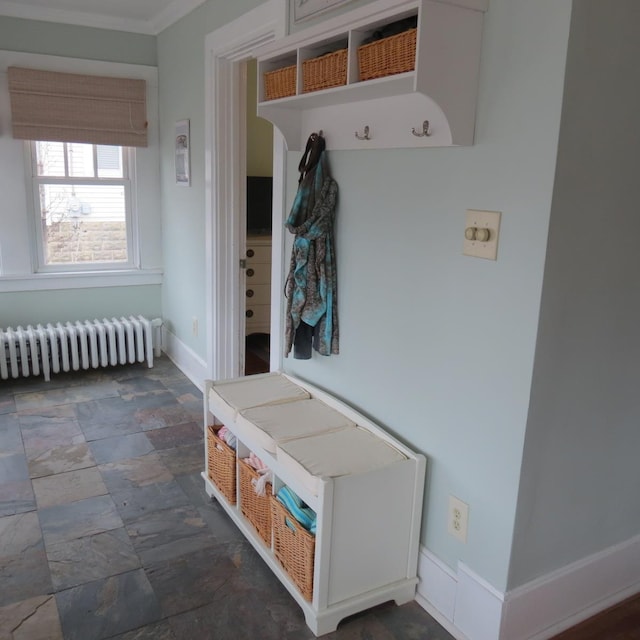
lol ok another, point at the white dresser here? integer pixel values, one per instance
(258, 285)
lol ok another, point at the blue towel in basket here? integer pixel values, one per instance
(305, 515)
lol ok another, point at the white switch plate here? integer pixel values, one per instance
(482, 220)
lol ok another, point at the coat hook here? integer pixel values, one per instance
(425, 130)
(365, 134)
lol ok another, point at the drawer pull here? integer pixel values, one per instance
(249, 313)
(250, 273)
(249, 293)
(250, 253)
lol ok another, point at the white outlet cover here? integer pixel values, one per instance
(482, 220)
(458, 518)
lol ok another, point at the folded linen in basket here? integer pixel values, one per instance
(305, 515)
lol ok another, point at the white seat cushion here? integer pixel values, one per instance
(227, 397)
(270, 425)
(349, 451)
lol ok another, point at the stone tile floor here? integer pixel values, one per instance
(106, 530)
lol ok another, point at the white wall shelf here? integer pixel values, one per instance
(441, 89)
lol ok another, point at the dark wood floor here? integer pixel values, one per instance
(620, 622)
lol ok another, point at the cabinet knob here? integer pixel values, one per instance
(250, 253)
(250, 273)
(249, 293)
(249, 313)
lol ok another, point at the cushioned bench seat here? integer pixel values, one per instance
(228, 397)
(348, 451)
(270, 425)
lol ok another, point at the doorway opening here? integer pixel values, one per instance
(259, 227)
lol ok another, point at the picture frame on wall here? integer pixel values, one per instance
(182, 144)
(305, 9)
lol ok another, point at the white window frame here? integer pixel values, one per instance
(131, 222)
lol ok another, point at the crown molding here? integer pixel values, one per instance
(165, 18)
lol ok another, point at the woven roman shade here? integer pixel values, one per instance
(69, 107)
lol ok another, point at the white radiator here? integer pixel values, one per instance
(78, 345)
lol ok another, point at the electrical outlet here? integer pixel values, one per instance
(194, 326)
(458, 520)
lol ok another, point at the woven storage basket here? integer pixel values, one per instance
(221, 464)
(325, 71)
(294, 547)
(254, 507)
(280, 83)
(386, 57)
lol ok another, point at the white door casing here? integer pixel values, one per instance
(226, 49)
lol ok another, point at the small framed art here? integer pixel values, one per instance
(182, 142)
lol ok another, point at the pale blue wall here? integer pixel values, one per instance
(181, 66)
(436, 346)
(72, 41)
(78, 304)
(580, 477)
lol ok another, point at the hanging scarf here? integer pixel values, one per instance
(311, 287)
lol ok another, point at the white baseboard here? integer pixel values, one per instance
(471, 609)
(561, 599)
(192, 365)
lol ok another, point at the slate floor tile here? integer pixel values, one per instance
(66, 395)
(133, 445)
(16, 497)
(135, 385)
(104, 608)
(71, 486)
(7, 404)
(24, 571)
(13, 467)
(190, 580)
(135, 502)
(32, 619)
(185, 459)
(79, 519)
(10, 436)
(106, 418)
(49, 428)
(177, 436)
(157, 631)
(162, 535)
(134, 472)
(75, 562)
(60, 460)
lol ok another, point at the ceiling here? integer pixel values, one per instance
(138, 16)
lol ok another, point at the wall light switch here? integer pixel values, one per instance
(481, 231)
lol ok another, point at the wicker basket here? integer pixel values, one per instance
(395, 54)
(254, 507)
(294, 547)
(221, 464)
(280, 83)
(326, 71)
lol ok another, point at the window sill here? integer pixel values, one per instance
(84, 280)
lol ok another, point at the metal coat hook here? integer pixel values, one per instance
(365, 134)
(425, 130)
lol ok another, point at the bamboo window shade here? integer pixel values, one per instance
(69, 107)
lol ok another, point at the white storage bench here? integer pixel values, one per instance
(365, 487)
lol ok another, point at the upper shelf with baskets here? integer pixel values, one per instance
(393, 73)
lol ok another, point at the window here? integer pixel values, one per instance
(82, 206)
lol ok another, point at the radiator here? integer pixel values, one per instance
(77, 345)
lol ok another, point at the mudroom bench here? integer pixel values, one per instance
(330, 501)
